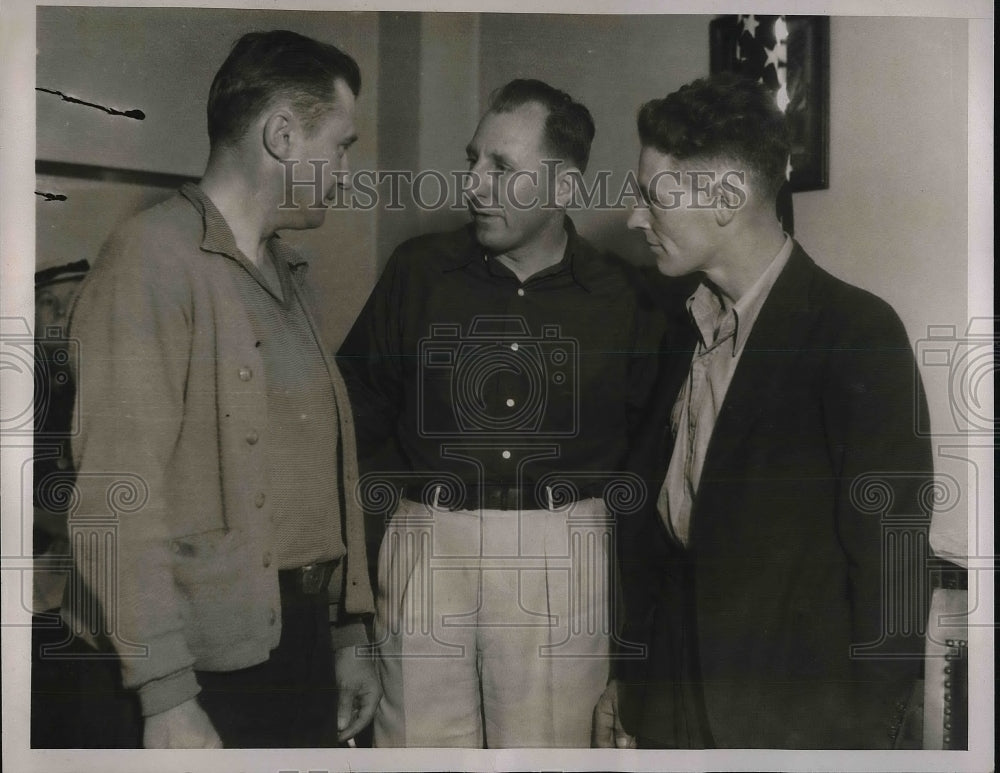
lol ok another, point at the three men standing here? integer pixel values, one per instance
(500, 376)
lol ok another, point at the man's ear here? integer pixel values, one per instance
(728, 200)
(278, 129)
(566, 182)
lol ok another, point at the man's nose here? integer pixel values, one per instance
(342, 174)
(639, 218)
(478, 184)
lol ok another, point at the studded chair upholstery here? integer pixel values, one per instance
(946, 672)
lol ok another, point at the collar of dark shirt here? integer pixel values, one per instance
(573, 260)
(219, 236)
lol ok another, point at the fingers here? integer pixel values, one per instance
(345, 711)
(360, 691)
(623, 740)
(185, 726)
(602, 729)
(213, 742)
(602, 736)
(607, 731)
(360, 711)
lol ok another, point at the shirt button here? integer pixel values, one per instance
(505, 454)
(252, 437)
(514, 347)
(520, 291)
(245, 374)
(510, 402)
(259, 499)
(267, 560)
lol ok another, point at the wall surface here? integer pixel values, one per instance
(895, 218)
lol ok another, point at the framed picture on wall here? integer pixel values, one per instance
(791, 55)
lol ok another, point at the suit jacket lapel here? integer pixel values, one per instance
(778, 335)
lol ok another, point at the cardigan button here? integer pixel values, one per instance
(267, 560)
(252, 437)
(272, 617)
(258, 500)
(245, 374)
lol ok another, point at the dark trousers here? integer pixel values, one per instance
(290, 700)
(77, 697)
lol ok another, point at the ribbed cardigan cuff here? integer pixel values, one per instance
(161, 694)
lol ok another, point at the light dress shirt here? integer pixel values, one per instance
(722, 335)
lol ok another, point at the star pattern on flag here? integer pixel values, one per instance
(772, 56)
(781, 97)
(758, 49)
(780, 30)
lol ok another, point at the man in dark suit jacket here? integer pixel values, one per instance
(777, 577)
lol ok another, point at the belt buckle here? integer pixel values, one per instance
(311, 578)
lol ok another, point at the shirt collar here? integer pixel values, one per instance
(473, 252)
(715, 326)
(219, 237)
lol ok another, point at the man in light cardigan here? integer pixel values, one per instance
(217, 433)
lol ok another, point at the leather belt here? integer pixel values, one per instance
(310, 580)
(489, 497)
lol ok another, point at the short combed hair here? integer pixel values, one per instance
(267, 66)
(569, 127)
(725, 117)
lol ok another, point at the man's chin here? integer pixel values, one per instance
(315, 217)
(486, 233)
(665, 265)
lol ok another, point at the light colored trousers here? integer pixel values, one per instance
(492, 626)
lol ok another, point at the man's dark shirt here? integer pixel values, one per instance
(458, 369)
